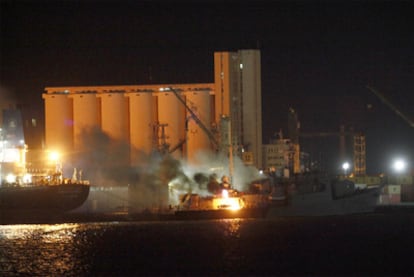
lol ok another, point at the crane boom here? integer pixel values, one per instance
(197, 120)
(391, 106)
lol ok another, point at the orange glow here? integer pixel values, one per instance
(227, 203)
(54, 156)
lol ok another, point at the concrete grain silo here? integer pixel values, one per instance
(142, 108)
(114, 115)
(197, 138)
(172, 112)
(161, 120)
(86, 115)
(58, 121)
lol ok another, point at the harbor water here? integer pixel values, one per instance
(372, 244)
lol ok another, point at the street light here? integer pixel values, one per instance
(399, 165)
(55, 159)
(399, 168)
(345, 167)
(54, 156)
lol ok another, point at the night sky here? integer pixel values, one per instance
(317, 57)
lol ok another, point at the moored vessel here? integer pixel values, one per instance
(36, 186)
(34, 201)
(323, 197)
(52, 197)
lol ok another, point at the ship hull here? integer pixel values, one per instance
(323, 204)
(46, 199)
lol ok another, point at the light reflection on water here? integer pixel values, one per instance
(49, 232)
(293, 246)
(78, 249)
(43, 249)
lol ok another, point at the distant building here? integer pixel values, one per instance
(185, 121)
(278, 156)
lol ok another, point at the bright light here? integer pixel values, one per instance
(228, 203)
(11, 155)
(231, 203)
(27, 178)
(399, 165)
(345, 166)
(11, 178)
(54, 156)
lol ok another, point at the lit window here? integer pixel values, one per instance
(34, 123)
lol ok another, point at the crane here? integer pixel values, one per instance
(391, 106)
(163, 146)
(211, 136)
(196, 119)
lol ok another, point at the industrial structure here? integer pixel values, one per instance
(12, 145)
(278, 156)
(181, 119)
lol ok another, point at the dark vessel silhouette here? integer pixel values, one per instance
(45, 199)
(58, 197)
(30, 190)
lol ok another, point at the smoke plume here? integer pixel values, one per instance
(154, 180)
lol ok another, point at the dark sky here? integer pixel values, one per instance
(317, 56)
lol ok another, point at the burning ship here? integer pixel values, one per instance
(264, 199)
(26, 192)
(226, 202)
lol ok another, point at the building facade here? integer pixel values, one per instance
(238, 94)
(278, 156)
(182, 119)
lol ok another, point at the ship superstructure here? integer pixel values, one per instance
(27, 192)
(12, 147)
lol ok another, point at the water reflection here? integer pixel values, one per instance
(49, 232)
(85, 249)
(50, 249)
(298, 246)
(231, 233)
(231, 227)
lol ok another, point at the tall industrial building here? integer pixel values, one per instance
(183, 119)
(238, 94)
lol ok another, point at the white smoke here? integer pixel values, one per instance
(154, 180)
